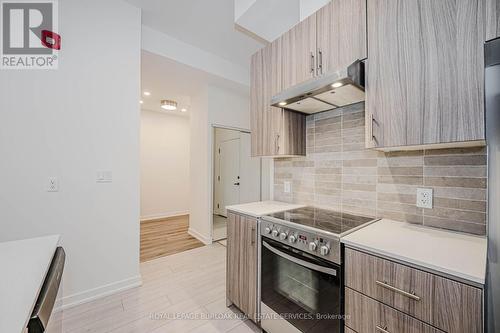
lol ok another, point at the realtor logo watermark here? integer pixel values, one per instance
(29, 38)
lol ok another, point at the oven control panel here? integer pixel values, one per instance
(313, 243)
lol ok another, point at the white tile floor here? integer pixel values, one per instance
(219, 228)
(184, 292)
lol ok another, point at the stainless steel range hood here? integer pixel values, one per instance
(332, 90)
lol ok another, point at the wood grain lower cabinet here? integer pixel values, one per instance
(241, 274)
(425, 72)
(365, 315)
(443, 303)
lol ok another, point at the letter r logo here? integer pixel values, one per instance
(23, 24)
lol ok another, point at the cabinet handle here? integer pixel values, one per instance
(253, 235)
(312, 63)
(399, 291)
(374, 138)
(320, 61)
(276, 144)
(383, 330)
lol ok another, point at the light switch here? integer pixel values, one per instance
(287, 187)
(52, 184)
(104, 177)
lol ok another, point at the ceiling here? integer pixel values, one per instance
(167, 79)
(206, 24)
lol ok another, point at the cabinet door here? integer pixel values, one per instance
(264, 119)
(425, 71)
(274, 131)
(241, 279)
(299, 52)
(492, 19)
(341, 34)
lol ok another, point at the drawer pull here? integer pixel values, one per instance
(383, 330)
(399, 291)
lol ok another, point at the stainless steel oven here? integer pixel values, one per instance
(300, 292)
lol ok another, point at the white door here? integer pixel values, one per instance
(229, 174)
(250, 169)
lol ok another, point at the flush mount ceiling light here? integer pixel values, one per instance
(183, 110)
(147, 93)
(141, 101)
(337, 85)
(282, 103)
(169, 105)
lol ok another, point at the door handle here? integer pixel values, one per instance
(238, 184)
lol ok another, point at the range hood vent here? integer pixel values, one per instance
(332, 90)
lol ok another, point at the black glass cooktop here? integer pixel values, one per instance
(323, 219)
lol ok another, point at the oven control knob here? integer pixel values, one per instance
(268, 230)
(324, 250)
(292, 239)
(283, 236)
(313, 246)
(275, 233)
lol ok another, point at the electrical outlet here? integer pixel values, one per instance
(424, 197)
(52, 184)
(287, 187)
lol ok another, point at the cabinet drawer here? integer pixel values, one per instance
(443, 303)
(365, 315)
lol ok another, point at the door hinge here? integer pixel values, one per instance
(218, 178)
(218, 206)
(219, 151)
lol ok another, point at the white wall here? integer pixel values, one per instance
(164, 165)
(161, 44)
(308, 7)
(212, 106)
(71, 123)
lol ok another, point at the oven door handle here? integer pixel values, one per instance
(318, 268)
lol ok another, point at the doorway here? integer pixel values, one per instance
(237, 176)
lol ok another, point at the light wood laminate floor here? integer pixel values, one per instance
(184, 292)
(164, 237)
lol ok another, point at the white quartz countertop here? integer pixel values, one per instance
(24, 264)
(261, 208)
(452, 253)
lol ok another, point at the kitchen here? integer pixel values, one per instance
(375, 118)
(379, 119)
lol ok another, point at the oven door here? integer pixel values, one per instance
(299, 292)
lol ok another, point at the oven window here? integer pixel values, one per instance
(307, 298)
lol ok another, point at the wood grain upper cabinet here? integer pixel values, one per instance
(425, 72)
(274, 131)
(492, 21)
(341, 34)
(299, 52)
(241, 273)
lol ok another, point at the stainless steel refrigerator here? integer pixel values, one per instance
(492, 100)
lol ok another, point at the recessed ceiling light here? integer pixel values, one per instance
(183, 110)
(169, 105)
(337, 85)
(147, 93)
(282, 103)
(141, 101)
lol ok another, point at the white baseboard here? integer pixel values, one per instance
(164, 215)
(70, 301)
(205, 240)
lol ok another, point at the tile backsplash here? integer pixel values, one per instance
(339, 173)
